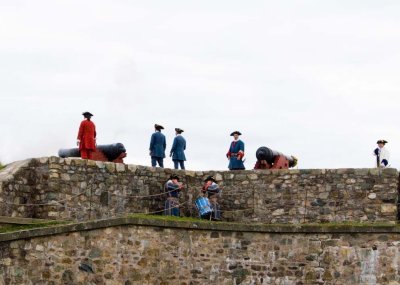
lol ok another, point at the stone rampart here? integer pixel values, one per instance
(78, 189)
(139, 251)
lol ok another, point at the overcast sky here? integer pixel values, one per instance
(315, 79)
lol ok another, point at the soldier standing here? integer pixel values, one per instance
(87, 137)
(157, 147)
(382, 154)
(178, 149)
(236, 152)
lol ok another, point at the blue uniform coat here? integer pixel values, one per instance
(158, 145)
(178, 148)
(172, 189)
(234, 149)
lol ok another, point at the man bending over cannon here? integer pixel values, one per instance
(271, 159)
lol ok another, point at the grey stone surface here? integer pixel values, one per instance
(56, 188)
(155, 251)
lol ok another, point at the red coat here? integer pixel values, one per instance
(87, 135)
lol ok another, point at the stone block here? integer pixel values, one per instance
(388, 208)
(44, 160)
(65, 177)
(54, 175)
(110, 166)
(100, 164)
(120, 167)
(252, 176)
(91, 163)
(278, 212)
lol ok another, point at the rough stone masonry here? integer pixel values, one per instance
(139, 252)
(75, 189)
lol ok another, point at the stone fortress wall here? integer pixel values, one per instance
(139, 252)
(285, 227)
(57, 188)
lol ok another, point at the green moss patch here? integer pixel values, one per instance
(15, 228)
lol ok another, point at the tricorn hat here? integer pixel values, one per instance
(236, 132)
(178, 130)
(382, 141)
(210, 178)
(158, 127)
(174, 176)
(87, 114)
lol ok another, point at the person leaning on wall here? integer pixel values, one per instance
(212, 191)
(172, 188)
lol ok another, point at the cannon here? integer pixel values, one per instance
(271, 159)
(109, 152)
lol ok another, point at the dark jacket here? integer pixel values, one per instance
(158, 145)
(178, 148)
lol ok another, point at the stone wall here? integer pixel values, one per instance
(78, 189)
(146, 252)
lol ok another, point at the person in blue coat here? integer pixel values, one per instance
(212, 190)
(178, 149)
(236, 152)
(157, 147)
(172, 188)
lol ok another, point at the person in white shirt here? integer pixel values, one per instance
(382, 154)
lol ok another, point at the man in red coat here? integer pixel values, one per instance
(87, 137)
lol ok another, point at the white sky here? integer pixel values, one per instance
(315, 79)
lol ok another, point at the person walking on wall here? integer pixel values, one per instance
(157, 147)
(236, 152)
(382, 154)
(86, 140)
(178, 149)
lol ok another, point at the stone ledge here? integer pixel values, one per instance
(22, 221)
(386, 172)
(161, 222)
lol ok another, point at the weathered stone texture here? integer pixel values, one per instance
(150, 255)
(78, 189)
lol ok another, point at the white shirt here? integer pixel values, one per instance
(383, 154)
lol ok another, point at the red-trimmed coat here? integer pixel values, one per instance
(87, 135)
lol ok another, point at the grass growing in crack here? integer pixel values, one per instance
(15, 228)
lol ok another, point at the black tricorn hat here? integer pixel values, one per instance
(158, 127)
(210, 178)
(178, 130)
(236, 132)
(174, 176)
(382, 141)
(87, 114)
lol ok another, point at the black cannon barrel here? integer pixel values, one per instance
(69, 152)
(265, 153)
(111, 151)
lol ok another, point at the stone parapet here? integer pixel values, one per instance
(57, 188)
